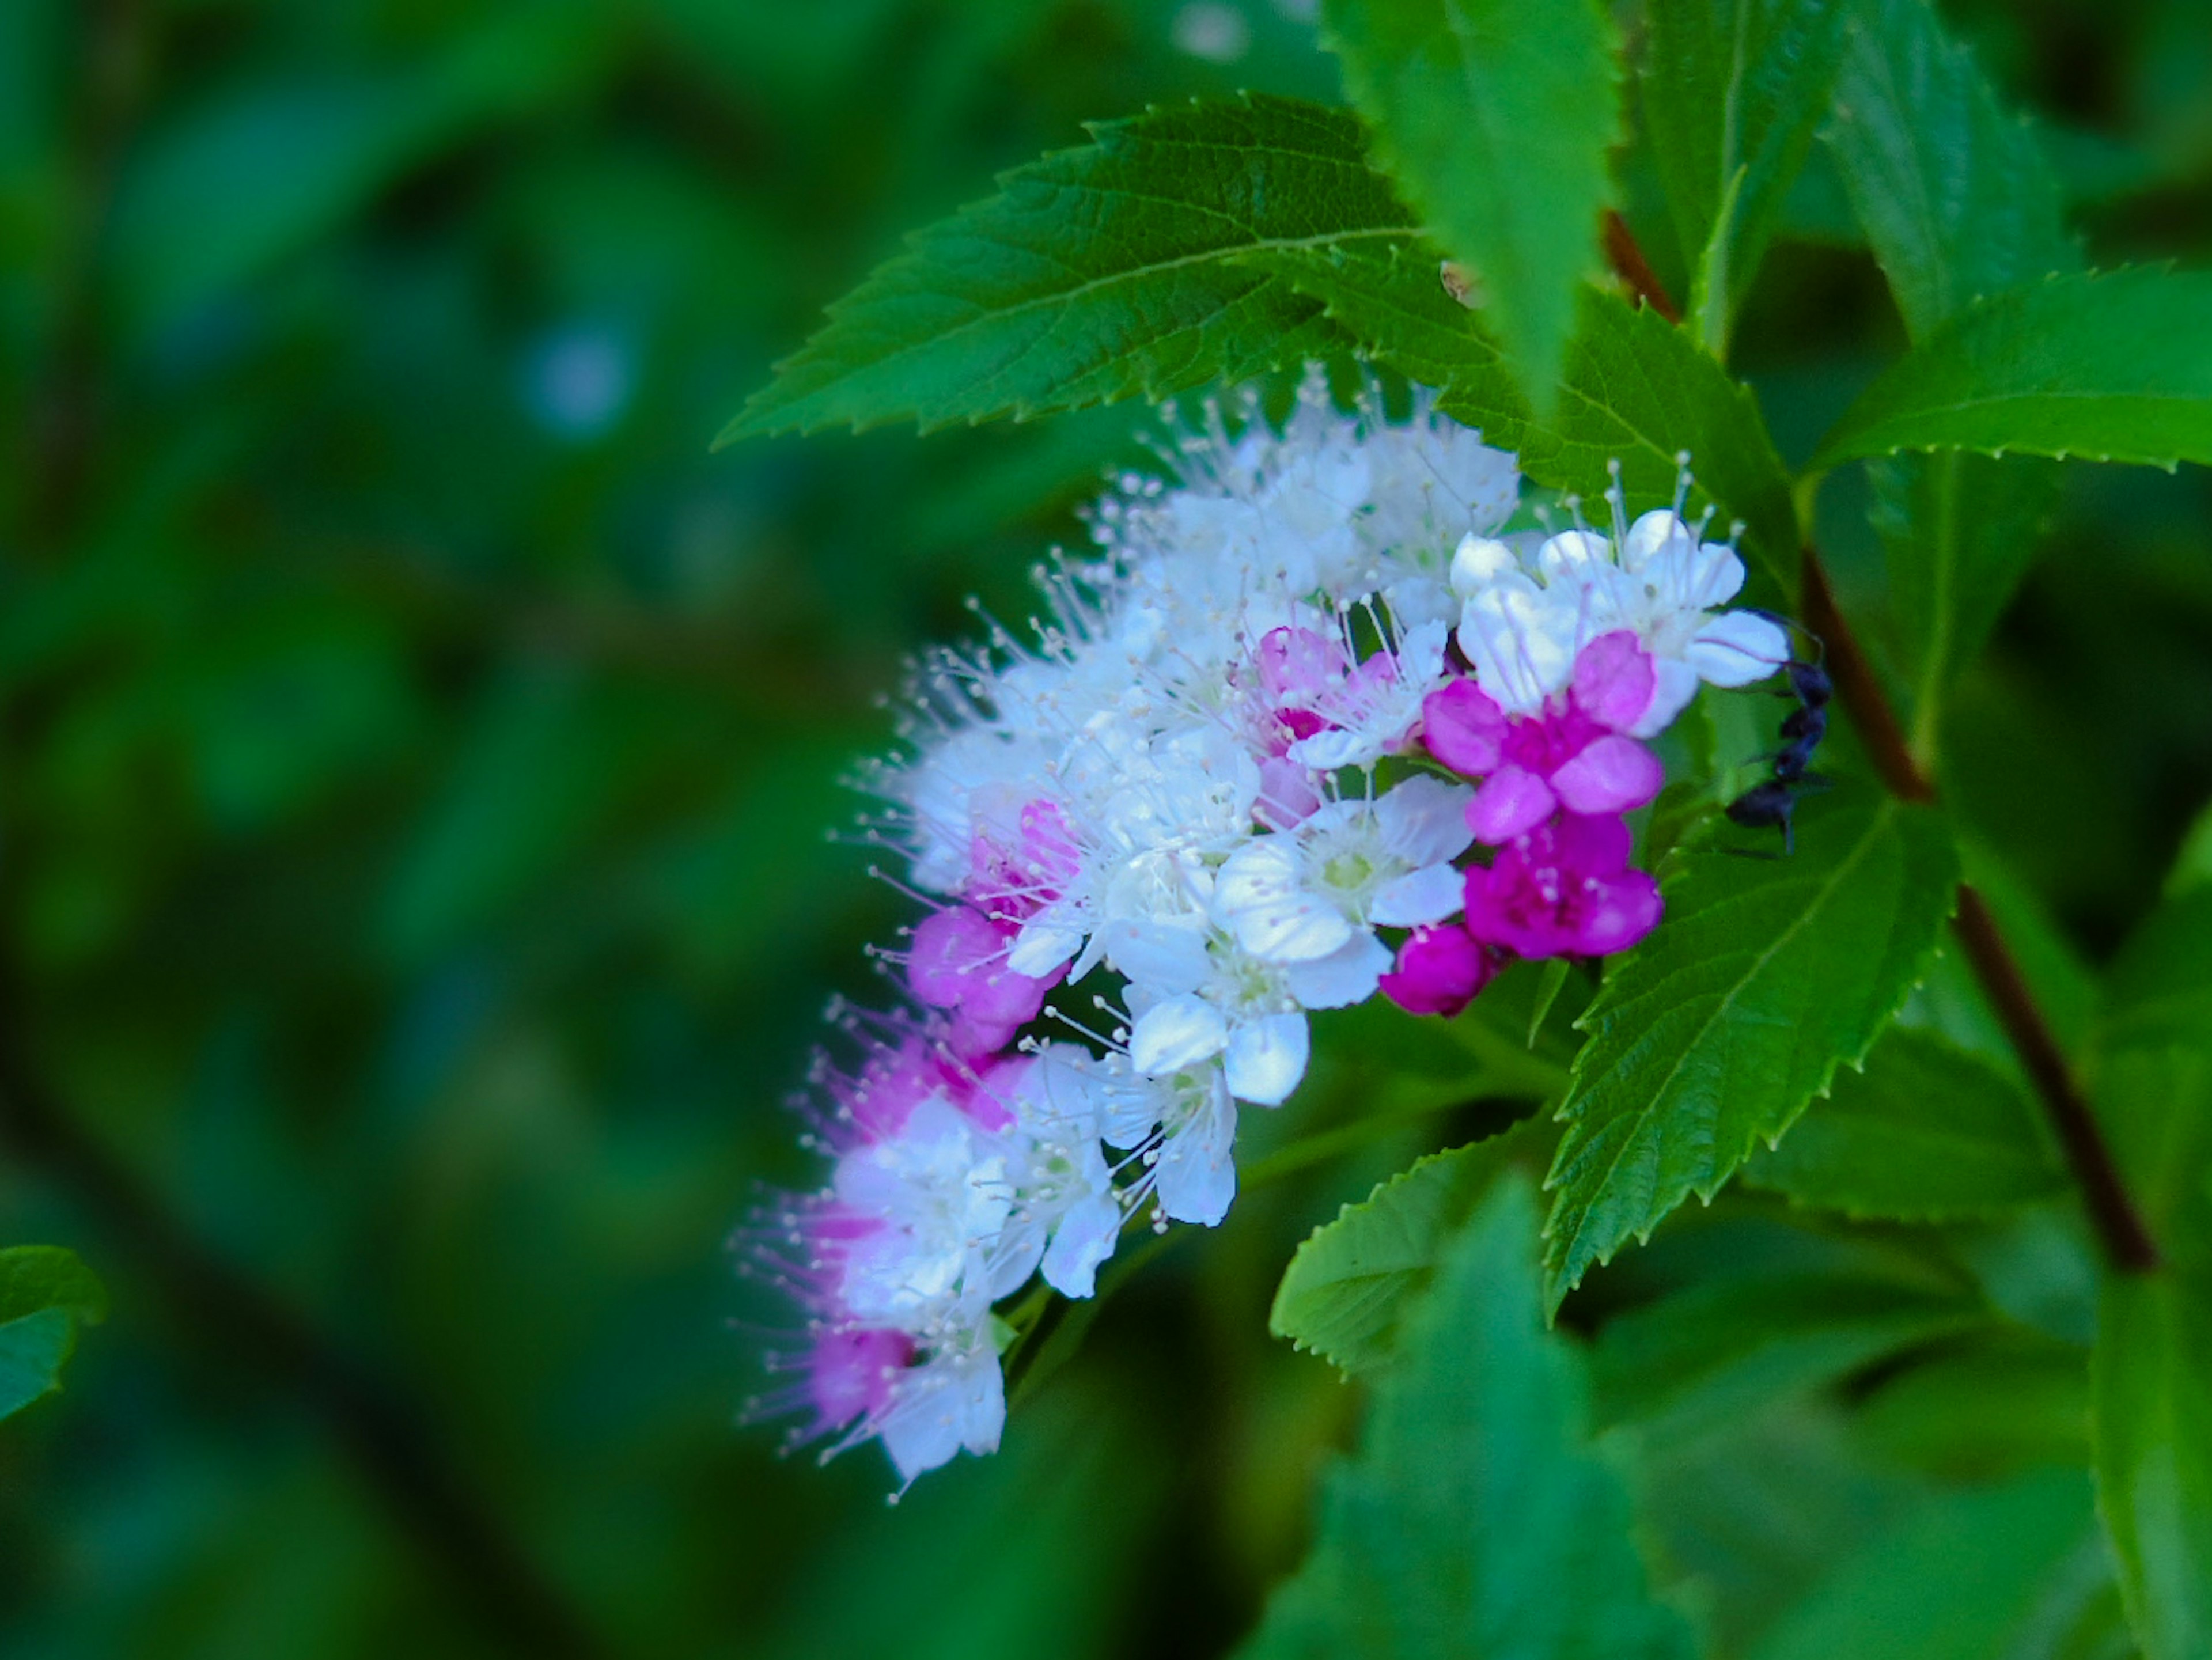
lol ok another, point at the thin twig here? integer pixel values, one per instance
(2120, 1226)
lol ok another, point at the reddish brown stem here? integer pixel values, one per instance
(2120, 1226)
(1626, 256)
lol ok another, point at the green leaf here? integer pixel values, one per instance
(2151, 1379)
(2111, 368)
(1925, 1132)
(1495, 116)
(1959, 532)
(1961, 1579)
(1733, 90)
(1705, 1357)
(1957, 202)
(1099, 273)
(2151, 1390)
(1476, 1502)
(2004, 1405)
(2160, 989)
(45, 1293)
(1634, 390)
(1349, 1284)
(2193, 867)
(1957, 197)
(1716, 1032)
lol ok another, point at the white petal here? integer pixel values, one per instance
(1258, 898)
(1428, 895)
(1737, 649)
(1344, 746)
(1571, 554)
(1162, 957)
(1267, 1057)
(1197, 1168)
(1424, 820)
(941, 1405)
(1675, 683)
(1014, 1255)
(1047, 940)
(1653, 535)
(1178, 1033)
(1343, 978)
(1478, 562)
(1421, 653)
(1083, 1239)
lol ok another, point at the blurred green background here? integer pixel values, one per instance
(418, 750)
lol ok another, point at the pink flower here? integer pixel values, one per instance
(1439, 970)
(959, 962)
(1563, 889)
(1009, 884)
(851, 1373)
(1574, 756)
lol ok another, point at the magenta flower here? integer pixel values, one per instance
(1439, 970)
(851, 1373)
(1575, 756)
(959, 964)
(1563, 889)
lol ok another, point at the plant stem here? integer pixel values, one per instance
(2120, 1227)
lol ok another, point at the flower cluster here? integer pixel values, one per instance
(1306, 728)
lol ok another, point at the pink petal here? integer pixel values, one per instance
(1463, 727)
(1510, 802)
(1591, 844)
(1614, 680)
(949, 948)
(1613, 775)
(1619, 911)
(1297, 660)
(1439, 971)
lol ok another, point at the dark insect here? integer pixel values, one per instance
(1771, 801)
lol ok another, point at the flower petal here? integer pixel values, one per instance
(1428, 895)
(1267, 1057)
(1179, 1032)
(1512, 802)
(1613, 775)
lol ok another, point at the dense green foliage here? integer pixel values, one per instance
(418, 747)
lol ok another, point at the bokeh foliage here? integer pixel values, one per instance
(418, 752)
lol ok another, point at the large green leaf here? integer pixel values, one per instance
(1634, 390)
(45, 1293)
(1956, 196)
(1970, 1577)
(1733, 90)
(2110, 368)
(1348, 1285)
(1495, 116)
(2160, 990)
(1716, 1032)
(2151, 1394)
(1705, 1356)
(1926, 1132)
(1096, 274)
(1958, 532)
(1476, 1519)
(2151, 1380)
(1959, 201)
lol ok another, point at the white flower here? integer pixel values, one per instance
(1192, 1168)
(939, 1192)
(1066, 1216)
(1529, 613)
(1218, 999)
(1304, 893)
(956, 1398)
